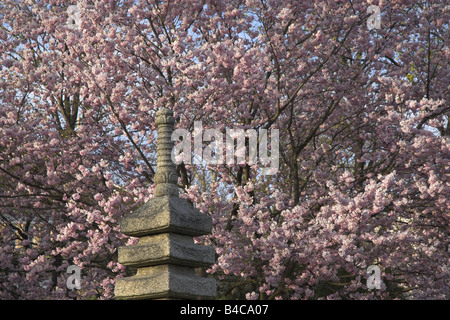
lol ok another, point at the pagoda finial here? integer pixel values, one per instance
(166, 177)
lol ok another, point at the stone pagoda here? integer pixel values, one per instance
(166, 255)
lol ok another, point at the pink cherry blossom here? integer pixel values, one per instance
(364, 142)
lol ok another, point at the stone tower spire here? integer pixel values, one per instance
(166, 255)
(166, 176)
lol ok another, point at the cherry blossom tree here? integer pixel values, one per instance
(362, 115)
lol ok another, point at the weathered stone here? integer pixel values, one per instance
(166, 214)
(165, 281)
(166, 248)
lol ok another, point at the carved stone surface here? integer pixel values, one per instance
(166, 214)
(167, 248)
(166, 255)
(166, 176)
(165, 281)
